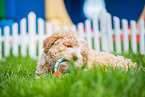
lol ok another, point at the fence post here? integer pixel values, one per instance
(109, 33)
(48, 29)
(23, 37)
(65, 28)
(103, 30)
(40, 35)
(88, 33)
(117, 34)
(0, 44)
(15, 39)
(6, 41)
(73, 28)
(133, 36)
(141, 37)
(125, 36)
(32, 34)
(56, 29)
(81, 29)
(96, 34)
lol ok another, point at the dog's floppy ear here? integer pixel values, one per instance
(48, 42)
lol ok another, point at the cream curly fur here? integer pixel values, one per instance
(71, 46)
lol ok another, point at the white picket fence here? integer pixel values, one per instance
(32, 40)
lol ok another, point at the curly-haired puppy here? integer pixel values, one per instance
(71, 46)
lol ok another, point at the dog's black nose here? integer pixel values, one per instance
(75, 58)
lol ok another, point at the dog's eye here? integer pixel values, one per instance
(69, 46)
(52, 44)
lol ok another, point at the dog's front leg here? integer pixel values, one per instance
(40, 69)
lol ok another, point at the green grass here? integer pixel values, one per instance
(17, 79)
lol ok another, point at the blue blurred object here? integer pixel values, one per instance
(80, 10)
(18, 9)
(125, 9)
(75, 10)
(23, 7)
(8, 22)
(11, 9)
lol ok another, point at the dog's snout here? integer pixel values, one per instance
(75, 58)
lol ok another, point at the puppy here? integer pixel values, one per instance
(71, 46)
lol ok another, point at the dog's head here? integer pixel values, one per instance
(67, 45)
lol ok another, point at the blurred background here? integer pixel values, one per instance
(68, 12)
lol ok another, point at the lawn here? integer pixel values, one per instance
(17, 79)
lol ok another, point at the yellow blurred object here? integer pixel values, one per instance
(56, 13)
